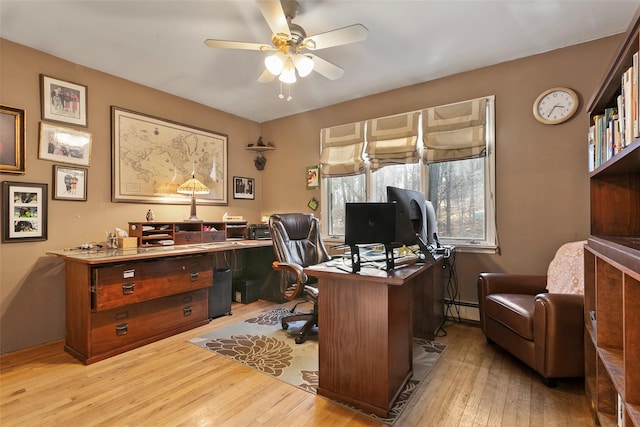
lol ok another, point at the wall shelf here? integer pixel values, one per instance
(260, 161)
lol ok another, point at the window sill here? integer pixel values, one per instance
(330, 241)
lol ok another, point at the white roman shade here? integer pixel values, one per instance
(341, 150)
(392, 140)
(455, 131)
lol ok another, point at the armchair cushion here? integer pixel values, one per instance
(512, 310)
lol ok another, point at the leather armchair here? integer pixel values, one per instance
(297, 244)
(539, 319)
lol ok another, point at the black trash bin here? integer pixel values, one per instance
(220, 293)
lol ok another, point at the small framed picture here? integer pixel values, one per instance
(313, 177)
(244, 188)
(69, 183)
(24, 212)
(12, 142)
(64, 145)
(62, 101)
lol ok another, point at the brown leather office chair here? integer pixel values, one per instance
(297, 244)
(539, 319)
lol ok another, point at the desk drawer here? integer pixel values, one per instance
(213, 236)
(120, 285)
(146, 322)
(187, 238)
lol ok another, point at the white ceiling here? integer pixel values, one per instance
(160, 43)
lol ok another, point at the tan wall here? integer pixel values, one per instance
(542, 184)
(542, 180)
(32, 288)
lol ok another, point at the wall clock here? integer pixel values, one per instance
(555, 105)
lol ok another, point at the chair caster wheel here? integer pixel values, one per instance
(299, 340)
(285, 326)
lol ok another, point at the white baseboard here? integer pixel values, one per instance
(466, 312)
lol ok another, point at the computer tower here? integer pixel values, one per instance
(246, 291)
(220, 293)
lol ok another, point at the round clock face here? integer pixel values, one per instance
(555, 106)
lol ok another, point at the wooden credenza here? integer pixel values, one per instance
(366, 322)
(115, 307)
(117, 300)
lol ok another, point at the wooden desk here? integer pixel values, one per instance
(365, 328)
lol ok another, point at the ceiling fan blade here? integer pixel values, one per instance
(266, 77)
(351, 34)
(275, 17)
(225, 44)
(326, 68)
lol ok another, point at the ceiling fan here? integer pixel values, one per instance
(291, 44)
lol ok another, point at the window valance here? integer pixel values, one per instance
(341, 150)
(455, 131)
(392, 140)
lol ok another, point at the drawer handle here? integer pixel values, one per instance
(186, 311)
(122, 329)
(194, 276)
(128, 288)
(188, 237)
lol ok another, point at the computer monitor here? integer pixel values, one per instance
(415, 218)
(370, 223)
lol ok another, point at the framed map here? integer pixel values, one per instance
(152, 157)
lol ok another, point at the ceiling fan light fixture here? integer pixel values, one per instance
(274, 63)
(304, 65)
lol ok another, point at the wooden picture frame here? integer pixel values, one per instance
(313, 177)
(12, 140)
(64, 145)
(69, 183)
(244, 188)
(24, 212)
(152, 157)
(63, 101)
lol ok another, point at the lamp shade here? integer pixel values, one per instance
(288, 74)
(274, 63)
(193, 186)
(304, 65)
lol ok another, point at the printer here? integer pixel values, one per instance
(258, 232)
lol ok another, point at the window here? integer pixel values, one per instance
(459, 181)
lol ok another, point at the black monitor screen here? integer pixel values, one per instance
(412, 213)
(367, 223)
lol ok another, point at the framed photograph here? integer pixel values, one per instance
(244, 188)
(69, 183)
(24, 212)
(12, 142)
(313, 177)
(152, 157)
(64, 145)
(62, 101)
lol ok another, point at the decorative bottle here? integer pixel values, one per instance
(150, 215)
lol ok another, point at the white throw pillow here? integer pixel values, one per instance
(566, 270)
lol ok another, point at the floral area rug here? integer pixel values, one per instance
(261, 343)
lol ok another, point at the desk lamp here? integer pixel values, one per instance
(193, 187)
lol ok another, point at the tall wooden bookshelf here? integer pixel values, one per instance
(612, 265)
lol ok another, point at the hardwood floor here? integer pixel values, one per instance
(174, 383)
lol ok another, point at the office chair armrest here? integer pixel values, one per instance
(296, 270)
